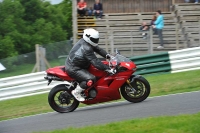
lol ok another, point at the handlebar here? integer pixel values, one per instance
(111, 65)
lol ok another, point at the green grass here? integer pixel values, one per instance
(174, 83)
(160, 85)
(164, 124)
(24, 69)
(24, 106)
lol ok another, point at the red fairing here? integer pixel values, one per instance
(58, 71)
(128, 65)
(108, 86)
(97, 72)
(105, 91)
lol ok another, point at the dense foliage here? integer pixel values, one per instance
(24, 23)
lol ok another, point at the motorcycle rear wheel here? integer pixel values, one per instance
(61, 100)
(142, 87)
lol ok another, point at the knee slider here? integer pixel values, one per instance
(89, 83)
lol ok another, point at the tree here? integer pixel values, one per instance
(66, 8)
(25, 23)
(33, 10)
(7, 47)
(11, 22)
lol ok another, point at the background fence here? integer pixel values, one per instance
(25, 63)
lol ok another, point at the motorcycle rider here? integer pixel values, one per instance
(81, 57)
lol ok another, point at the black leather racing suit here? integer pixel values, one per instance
(80, 58)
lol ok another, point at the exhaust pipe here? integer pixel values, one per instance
(51, 77)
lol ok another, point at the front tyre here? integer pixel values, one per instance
(61, 100)
(137, 91)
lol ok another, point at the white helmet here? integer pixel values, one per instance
(91, 36)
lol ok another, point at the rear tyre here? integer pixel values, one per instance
(141, 87)
(61, 100)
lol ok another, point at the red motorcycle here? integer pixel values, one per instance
(134, 88)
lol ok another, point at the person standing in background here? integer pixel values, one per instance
(158, 25)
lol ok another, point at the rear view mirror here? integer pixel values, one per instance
(117, 51)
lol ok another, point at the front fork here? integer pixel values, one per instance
(132, 88)
(132, 79)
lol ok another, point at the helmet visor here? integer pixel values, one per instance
(94, 40)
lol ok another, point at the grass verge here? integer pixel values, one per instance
(164, 124)
(160, 85)
(23, 69)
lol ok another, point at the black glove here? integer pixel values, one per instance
(108, 56)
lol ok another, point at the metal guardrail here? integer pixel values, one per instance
(168, 61)
(25, 85)
(185, 60)
(21, 79)
(34, 83)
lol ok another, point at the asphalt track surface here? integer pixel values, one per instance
(183, 103)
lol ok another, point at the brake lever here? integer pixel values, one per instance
(110, 64)
(117, 65)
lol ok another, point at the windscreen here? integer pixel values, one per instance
(120, 58)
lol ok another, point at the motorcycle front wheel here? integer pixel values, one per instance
(137, 91)
(61, 100)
